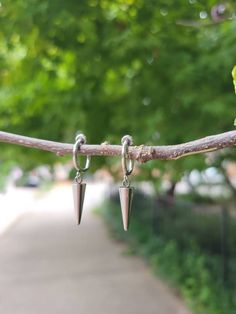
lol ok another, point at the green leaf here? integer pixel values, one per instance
(234, 78)
(235, 122)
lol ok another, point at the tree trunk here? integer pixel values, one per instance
(171, 193)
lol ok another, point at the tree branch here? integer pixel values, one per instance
(140, 153)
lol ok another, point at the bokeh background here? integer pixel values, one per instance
(158, 70)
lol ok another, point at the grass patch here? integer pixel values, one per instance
(183, 247)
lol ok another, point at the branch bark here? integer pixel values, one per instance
(140, 153)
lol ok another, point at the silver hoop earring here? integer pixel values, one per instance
(78, 186)
(126, 191)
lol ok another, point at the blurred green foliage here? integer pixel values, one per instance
(182, 245)
(234, 77)
(158, 70)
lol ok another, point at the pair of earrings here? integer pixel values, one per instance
(125, 191)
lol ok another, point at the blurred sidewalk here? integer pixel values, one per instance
(49, 265)
(13, 204)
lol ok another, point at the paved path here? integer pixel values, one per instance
(50, 266)
(13, 204)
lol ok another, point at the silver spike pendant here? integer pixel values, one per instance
(78, 186)
(126, 197)
(78, 195)
(126, 191)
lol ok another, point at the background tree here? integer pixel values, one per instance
(159, 70)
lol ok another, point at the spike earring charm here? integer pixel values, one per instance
(126, 191)
(78, 186)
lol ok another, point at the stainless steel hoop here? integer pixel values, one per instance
(127, 164)
(80, 140)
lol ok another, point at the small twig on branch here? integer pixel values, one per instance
(140, 153)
